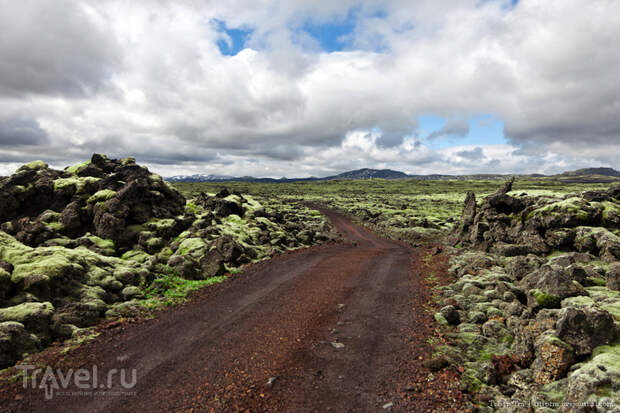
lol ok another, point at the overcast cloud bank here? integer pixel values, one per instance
(148, 79)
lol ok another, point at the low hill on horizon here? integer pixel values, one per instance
(368, 173)
(594, 171)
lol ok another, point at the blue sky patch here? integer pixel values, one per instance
(483, 130)
(333, 35)
(232, 40)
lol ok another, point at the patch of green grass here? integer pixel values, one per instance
(169, 289)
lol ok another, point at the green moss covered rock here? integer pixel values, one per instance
(15, 342)
(35, 317)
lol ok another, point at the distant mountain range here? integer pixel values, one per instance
(367, 173)
(364, 173)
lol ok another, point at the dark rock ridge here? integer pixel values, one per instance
(518, 225)
(533, 317)
(99, 238)
(103, 196)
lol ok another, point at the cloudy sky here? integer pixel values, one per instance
(299, 88)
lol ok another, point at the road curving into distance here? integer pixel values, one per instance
(338, 327)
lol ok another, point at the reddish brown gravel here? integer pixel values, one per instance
(341, 328)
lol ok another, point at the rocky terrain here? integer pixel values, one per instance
(533, 318)
(107, 236)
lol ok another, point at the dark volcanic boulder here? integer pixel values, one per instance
(549, 285)
(5, 284)
(613, 277)
(512, 226)
(104, 196)
(28, 192)
(553, 358)
(108, 226)
(80, 314)
(212, 264)
(229, 248)
(222, 204)
(35, 317)
(584, 329)
(14, 342)
(228, 207)
(509, 250)
(71, 217)
(501, 202)
(469, 210)
(520, 266)
(451, 315)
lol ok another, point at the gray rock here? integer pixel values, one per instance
(469, 210)
(594, 378)
(585, 328)
(230, 249)
(515, 308)
(80, 314)
(509, 296)
(553, 358)
(613, 277)
(577, 273)
(213, 263)
(64, 331)
(531, 329)
(522, 379)
(111, 284)
(552, 284)
(14, 342)
(519, 267)
(494, 329)
(569, 258)
(5, 284)
(477, 317)
(509, 250)
(470, 290)
(35, 317)
(71, 216)
(187, 266)
(131, 292)
(126, 276)
(560, 237)
(451, 314)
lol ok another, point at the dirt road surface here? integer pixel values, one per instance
(338, 328)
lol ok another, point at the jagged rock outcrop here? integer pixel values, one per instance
(535, 305)
(512, 226)
(469, 211)
(585, 328)
(95, 239)
(103, 196)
